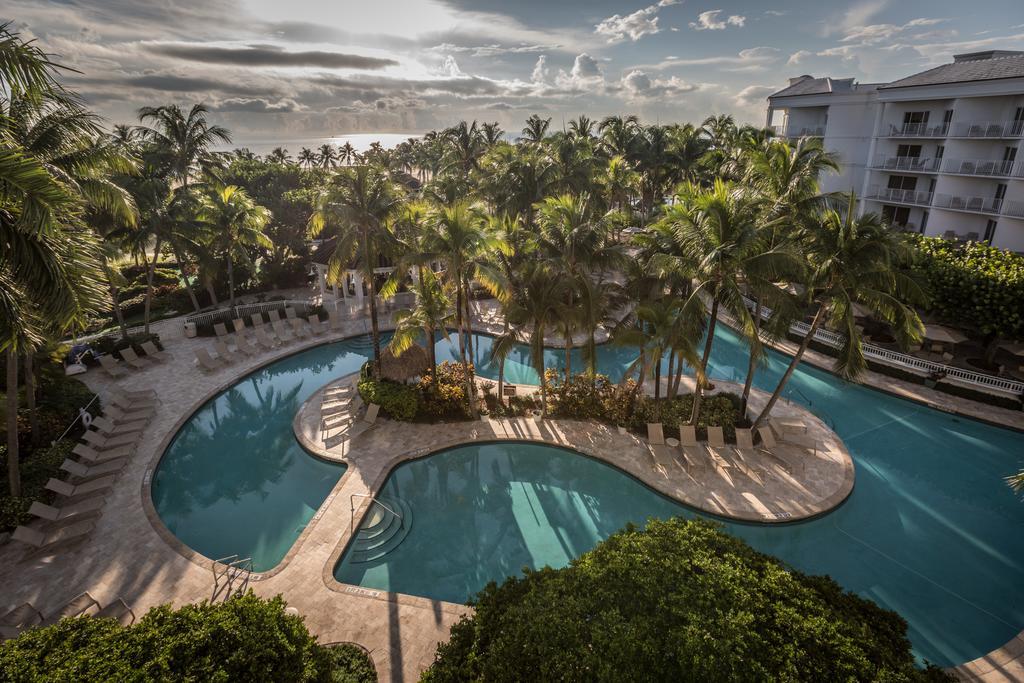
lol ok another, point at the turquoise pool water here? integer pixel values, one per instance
(931, 530)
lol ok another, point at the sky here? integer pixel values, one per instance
(291, 69)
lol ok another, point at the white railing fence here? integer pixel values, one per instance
(905, 361)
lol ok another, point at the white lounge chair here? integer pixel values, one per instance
(129, 356)
(63, 488)
(65, 512)
(316, 326)
(281, 331)
(243, 344)
(120, 415)
(371, 413)
(207, 362)
(264, 340)
(94, 457)
(716, 437)
(48, 540)
(117, 610)
(655, 434)
(335, 320)
(112, 366)
(220, 329)
(22, 616)
(82, 473)
(110, 428)
(79, 605)
(131, 400)
(98, 440)
(274, 315)
(299, 327)
(149, 348)
(224, 353)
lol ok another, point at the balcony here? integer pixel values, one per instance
(884, 162)
(955, 202)
(983, 167)
(888, 194)
(917, 130)
(988, 129)
(1013, 209)
(807, 132)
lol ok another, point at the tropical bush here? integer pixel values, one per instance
(397, 401)
(719, 410)
(444, 395)
(351, 664)
(678, 601)
(974, 285)
(246, 638)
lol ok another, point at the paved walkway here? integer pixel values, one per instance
(128, 557)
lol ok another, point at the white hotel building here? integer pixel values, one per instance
(936, 152)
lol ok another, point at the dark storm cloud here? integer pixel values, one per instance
(256, 105)
(265, 55)
(175, 83)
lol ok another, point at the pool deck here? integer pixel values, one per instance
(126, 556)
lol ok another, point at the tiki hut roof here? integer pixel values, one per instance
(413, 362)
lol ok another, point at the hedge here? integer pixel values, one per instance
(246, 638)
(677, 601)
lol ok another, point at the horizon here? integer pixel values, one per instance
(311, 70)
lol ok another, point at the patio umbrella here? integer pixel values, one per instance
(943, 334)
(413, 362)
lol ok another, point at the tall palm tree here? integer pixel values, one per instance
(582, 126)
(536, 128)
(307, 157)
(718, 243)
(357, 206)
(853, 260)
(491, 133)
(466, 145)
(328, 156)
(279, 155)
(237, 223)
(347, 154)
(179, 145)
(460, 237)
(432, 313)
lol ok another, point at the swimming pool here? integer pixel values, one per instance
(930, 530)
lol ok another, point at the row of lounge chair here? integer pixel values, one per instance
(232, 345)
(106, 446)
(25, 616)
(744, 449)
(129, 359)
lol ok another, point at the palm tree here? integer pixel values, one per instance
(347, 154)
(237, 223)
(328, 156)
(279, 155)
(466, 145)
(461, 239)
(853, 260)
(536, 305)
(431, 314)
(491, 133)
(307, 157)
(357, 205)
(535, 129)
(618, 134)
(582, 126)
(179, 146)
(718, 243)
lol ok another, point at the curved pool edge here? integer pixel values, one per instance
(146, 489)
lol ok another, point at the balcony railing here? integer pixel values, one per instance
(915, 164)
(1002, 169)
(888, 194)
(966, 203)
(807, 132)
(918, 130)
(1015, 209)
(988, 129)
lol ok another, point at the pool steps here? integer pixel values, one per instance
(382, 531)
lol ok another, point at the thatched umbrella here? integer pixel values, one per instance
(413, 362)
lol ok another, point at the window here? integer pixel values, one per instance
(947, 118)
(924, 221)
(1000, 193)
(990, 230)
(908, 151)
(915, 121)
(896, 215)
(939, 151)
(902, 182)
(1018, 122)
(931, 186)
(1010, 154)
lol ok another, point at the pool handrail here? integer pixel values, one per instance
(373, 498)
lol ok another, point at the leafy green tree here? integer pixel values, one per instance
(535, 129)
(678, 601)
(431, 314)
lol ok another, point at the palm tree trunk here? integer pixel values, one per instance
(752, 364)
(150, 271)
(568, 355)
(670, 375)
(431, 353)
(469, 325)
(231, 282)
(698, 385)
(374, 324)
(657, 378)
(501, 368)
(30, 397)
(118, 313)
(818, 318)
(13, 472)
(184, 279)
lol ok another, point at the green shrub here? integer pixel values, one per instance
(243, 639)
(444, 395)
(397, 401)
(351, 664)
(678, 601)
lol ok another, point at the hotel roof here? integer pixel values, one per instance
(976, 66)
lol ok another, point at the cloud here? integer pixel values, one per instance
(855, 15)
(492, 50)
(798, 57)
(775, 13)
(540, 70)
(750, 59)
(709, 21)
(639, 85)
(753, 94)
(635, 26)
(256, 105)
(268, 55)
(585, 66)
(880, 33)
